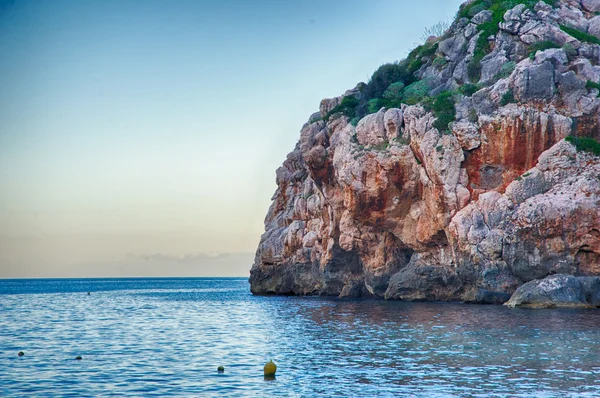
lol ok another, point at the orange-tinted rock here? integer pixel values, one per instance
(511, 143)
(395, 208)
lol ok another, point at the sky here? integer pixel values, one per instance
(141, 138)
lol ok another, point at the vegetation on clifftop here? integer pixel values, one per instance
(402, 82)
(471, 9)
(490, 28)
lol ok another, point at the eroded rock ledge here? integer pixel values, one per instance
(395, 208)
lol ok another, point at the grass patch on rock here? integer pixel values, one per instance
(590, 85)
(579, 35)
(506, 70)
(585, 144)
(471, 9)
(469, 89)
(541, 46)
(508, 98)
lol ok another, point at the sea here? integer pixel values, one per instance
(166, 337)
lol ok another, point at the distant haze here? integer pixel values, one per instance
(141, 138)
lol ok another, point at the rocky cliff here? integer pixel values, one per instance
(466, 178)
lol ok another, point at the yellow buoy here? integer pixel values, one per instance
(270, 369)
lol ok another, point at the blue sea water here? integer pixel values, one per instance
(166, 337)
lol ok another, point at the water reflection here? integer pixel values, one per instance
(167, 339)
(449, 347)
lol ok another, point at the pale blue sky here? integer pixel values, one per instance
(142, 137)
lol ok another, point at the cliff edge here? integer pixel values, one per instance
(461, 173)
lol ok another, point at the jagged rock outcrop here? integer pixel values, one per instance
(390, 206)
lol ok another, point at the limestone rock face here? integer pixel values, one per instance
(371, 129)
(394, 208)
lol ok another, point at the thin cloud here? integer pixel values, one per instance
(185, 257)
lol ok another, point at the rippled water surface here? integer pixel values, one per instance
(166, 337)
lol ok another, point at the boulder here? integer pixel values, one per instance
(594, 26)
(393, 120)
(565, 291)
(591, 5)
(467, 134)
(424, 283)
(482, 17)
(371, 129)
(328, 104)
(534, 82)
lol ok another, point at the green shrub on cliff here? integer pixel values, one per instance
(541, 46)
(476, 9)
(590, 85)
(395, 83)
(416, 92)
(469, 89)
(506, 70)
(440, 61)
(585, 144)
(508, 98)
(347, 107)
(425, 50)
(384, 76)
(474, 69)
(394, 91)
(384, 85)
(374, 105)
(444, 110)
